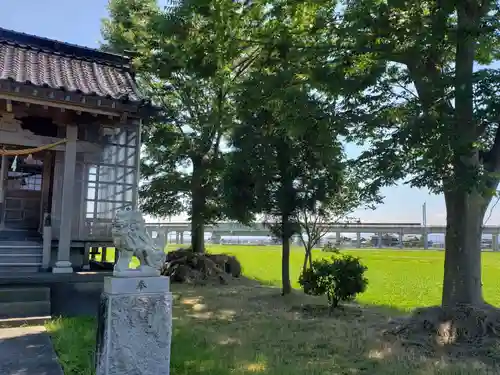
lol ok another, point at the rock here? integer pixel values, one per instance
(184, 266)
(228, 263)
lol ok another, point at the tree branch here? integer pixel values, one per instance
(245, 64)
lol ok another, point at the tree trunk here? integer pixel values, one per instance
(197, 211)
(286, 205)
(285, 268)
(304, 265)
(307, 260)
(464, 208)
(197, 231)
(462, 265)
(285, 256)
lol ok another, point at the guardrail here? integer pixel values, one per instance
(257, 224)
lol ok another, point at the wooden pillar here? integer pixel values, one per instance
(63, 264)
(3, 187)
(135, 196)
(47, 241)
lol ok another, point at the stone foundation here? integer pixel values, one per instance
(134, 327)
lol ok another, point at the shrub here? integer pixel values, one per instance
(341, 278)
(330, 248)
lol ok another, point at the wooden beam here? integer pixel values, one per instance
(47, 103)
(123, 117)
(3, 171)
(11, 138)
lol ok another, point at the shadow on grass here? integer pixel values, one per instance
(246, 328)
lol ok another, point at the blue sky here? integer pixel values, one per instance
(79, 23)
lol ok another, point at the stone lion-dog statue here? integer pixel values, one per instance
(131, 238)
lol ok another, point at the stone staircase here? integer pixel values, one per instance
(24, 305)
(20, 257)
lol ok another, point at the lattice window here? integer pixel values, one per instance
(111, 181)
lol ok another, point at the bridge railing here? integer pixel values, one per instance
(260, 226)
(371, 225)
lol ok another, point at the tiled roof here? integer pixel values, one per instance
(32, 60)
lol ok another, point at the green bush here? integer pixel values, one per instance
(330, 248)
(340, 278)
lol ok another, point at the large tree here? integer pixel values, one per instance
(286, 157)
(286, 152)
(430, 116)
(189, 57)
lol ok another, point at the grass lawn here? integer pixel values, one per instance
(246, 328)
(404, 279)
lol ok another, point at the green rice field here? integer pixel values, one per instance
(403, 279)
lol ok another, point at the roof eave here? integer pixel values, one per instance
(31, 93)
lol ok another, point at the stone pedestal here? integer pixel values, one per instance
(135, 326)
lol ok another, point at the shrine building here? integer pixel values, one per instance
(70, 120)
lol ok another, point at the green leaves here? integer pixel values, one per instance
(189, 59)
(286, 150)
(406, 112)
(340, 278)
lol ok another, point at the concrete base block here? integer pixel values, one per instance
(134, 327)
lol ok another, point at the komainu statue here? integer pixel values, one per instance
(132, 239)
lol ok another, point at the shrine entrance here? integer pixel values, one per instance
(22, 180)
(23, 193)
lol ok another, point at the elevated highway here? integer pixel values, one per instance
(259, 229)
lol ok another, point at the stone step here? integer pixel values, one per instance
(21, 259)
(19, 263)
(21, 250)
(19, 235)
(24, 294)
(13, 269)
(23, 322)
(21, 247)
(24, 309)
(17, 244)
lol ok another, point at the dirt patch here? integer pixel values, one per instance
(462, 332)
